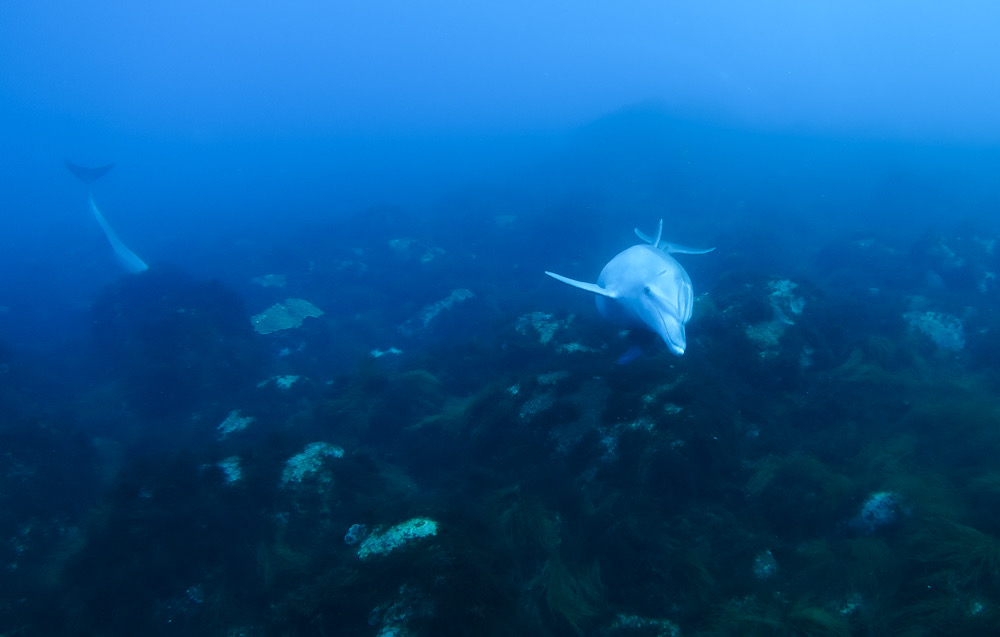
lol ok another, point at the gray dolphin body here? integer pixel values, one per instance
(129, 260)
(645, 287)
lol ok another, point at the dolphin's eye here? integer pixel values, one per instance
(647, 290)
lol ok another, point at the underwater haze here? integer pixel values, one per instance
(279, 355)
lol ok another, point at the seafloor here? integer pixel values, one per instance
(426, 436)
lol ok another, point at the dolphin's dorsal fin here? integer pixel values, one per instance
(666, 246)
(648, 239)
(590, 287)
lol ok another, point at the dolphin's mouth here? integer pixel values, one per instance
(665, 333)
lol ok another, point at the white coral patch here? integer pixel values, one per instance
(384, 542)
(234, 422)
(310, 461)
(232, 471)
(944, 329)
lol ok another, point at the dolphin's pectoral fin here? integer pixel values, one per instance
(648, 239)
(666, 246)
(679, 249)
(590, 287)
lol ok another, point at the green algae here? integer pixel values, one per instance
(575, 598)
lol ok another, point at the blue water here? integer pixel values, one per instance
(345, 399)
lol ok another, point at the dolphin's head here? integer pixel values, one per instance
(660, 315)
(644, 286)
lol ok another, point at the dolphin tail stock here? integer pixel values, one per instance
(590, 287)
(85, 174)
(672, 248)
(129, 260)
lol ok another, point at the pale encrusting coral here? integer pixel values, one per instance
(286, 315)
(309, 462)
(385, 541)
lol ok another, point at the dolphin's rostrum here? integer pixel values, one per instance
(644, 286)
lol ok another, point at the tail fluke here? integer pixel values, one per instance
(88, 175)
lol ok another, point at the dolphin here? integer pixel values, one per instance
(129, 260)
(645, 287)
